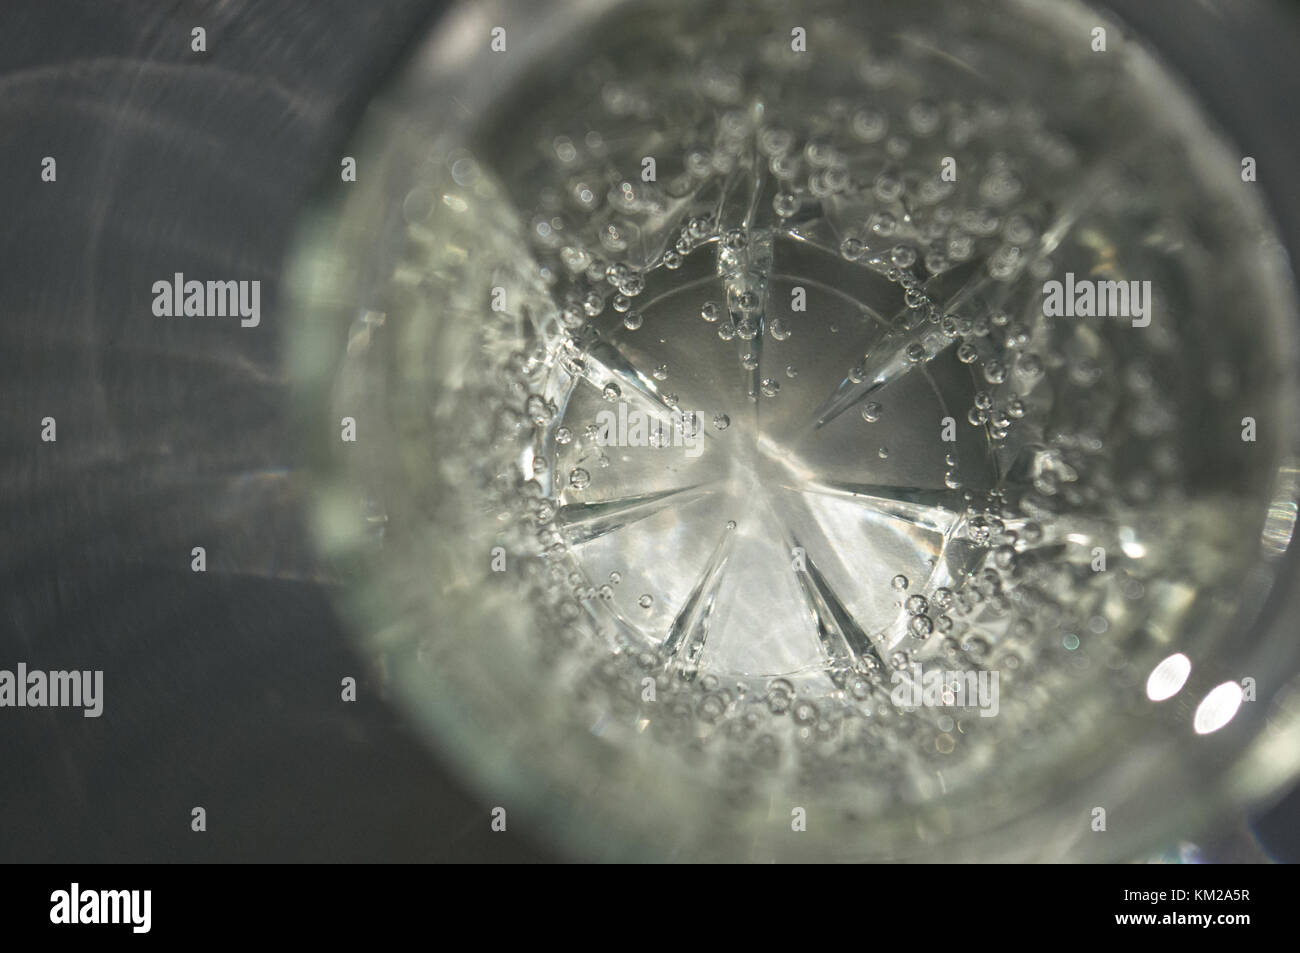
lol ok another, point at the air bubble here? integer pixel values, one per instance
(805, 713)
(869, 125)
(883, 224)
(923, 117)
(785, 204)
(887, 187)
(778, 702)
(902, 256)
(775, 141)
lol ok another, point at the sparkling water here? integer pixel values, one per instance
(725, 327)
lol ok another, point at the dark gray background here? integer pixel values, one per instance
(222, 689)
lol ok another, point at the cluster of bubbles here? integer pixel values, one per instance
(919, 226)
(985, 604)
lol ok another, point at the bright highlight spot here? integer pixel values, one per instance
(1168, 678)
(1217, 708)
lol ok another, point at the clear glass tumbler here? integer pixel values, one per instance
(813, 431)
